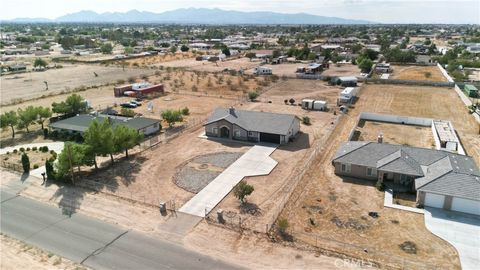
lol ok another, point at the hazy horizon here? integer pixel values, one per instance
(393, 11)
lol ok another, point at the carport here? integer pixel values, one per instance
(269, 137)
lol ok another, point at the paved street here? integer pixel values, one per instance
(91, 242)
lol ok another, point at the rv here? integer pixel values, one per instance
(262, 71)
(347, 95)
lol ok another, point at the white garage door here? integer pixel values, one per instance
(434, 200)
(466, 206)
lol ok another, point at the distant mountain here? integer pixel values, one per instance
(198, 15)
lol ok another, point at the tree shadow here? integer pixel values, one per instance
(71, 197)
(250, 209)
(24, 177)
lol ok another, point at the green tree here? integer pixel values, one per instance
(242, 190)
(184, 48)
(127, 112)
(172, 116)
(9, 119)
(173, 49)
(365, 64)
(26, 117)
(99, 137)
(73, 155)
(42, 114)
(25, 163)
(106, 48)
(128, 50)
(39, 62)
(125, 138)
(250, 55)
(226, 51)
(252, 95)
(74, 104)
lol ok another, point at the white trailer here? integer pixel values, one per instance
(347, 95)
(319, 105)
(263, 71)
(315, 105)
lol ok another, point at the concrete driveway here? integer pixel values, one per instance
(256, 161)
(460, 230)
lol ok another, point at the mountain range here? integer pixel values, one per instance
(194, 16)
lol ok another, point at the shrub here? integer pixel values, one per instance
(380, 185)
(22, 149)
(185, 111)
(306, 120)
(35, 166)
(45, 133)
(8, 152)
(28, 149)
(15, 151)
(34, 148)
(252, 95)
(283, 225)
(292, 101)
(25, 163)
(49, 170)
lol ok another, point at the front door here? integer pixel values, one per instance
(225, 132)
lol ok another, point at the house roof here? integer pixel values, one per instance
(264, 122)
(438, 171)
(80, 123)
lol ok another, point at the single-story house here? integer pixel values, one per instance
(252, 126)
(382, 68)
(80, 123)
(441, 179)
(262, 71)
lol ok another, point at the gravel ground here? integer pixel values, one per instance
(222, 160)
(194, 180)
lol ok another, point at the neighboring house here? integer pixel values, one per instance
(471, 90)
(382, 68)
(252, 126)
(262, 71)
(347, 81)
(80, 123)
(441, 179)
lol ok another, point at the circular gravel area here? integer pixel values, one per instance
(198, 172)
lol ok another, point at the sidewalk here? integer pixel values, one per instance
(388, 202)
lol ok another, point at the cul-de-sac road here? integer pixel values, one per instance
(91, 242)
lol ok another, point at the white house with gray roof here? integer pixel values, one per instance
(252, 126)
(441, 179)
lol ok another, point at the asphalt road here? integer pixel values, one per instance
(91, 242)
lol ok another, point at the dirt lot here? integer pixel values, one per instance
(18, 255)
(31, 85)
(417, 136)
(36, 158)
(192, 64)
(417, 73)
(332, 212)
(341, 70)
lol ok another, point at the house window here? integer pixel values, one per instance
(346, 167)
(237, 133)
(371, 172)
(215, 131)
(250, 133)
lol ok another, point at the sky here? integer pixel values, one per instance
(383, 11)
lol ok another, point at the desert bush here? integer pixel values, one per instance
(35, 166)
(15, 151)
(28, 149)
(34, 148)
(306, 120)
(22, 149)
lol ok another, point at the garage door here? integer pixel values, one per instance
(434, 200)
(466, 206)
(268, 137)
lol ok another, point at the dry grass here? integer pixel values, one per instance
(417, 73)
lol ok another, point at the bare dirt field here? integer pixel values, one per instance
(18, 255)
(332, 212)
(417, 136)
(192, 64)
(342, 70)
(417, 73)
(30, 85)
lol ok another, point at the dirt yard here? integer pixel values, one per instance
(192, 64)
(332, 212)
(36, 157)
(30, 85)
(417, 73)
(342, 70)
(417, 136)
(18, 255)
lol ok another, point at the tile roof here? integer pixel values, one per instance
(264, 122)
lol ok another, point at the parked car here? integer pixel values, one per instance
(134, 101)
(128, 105)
